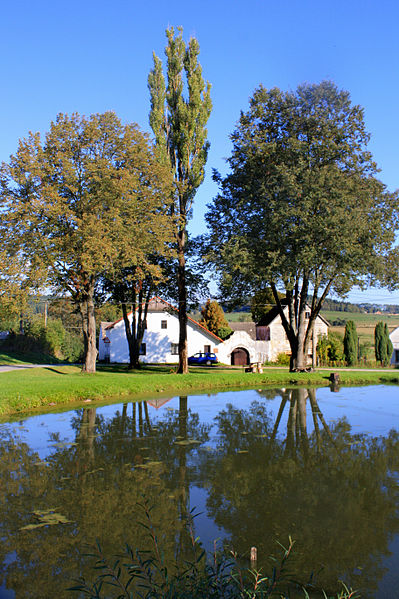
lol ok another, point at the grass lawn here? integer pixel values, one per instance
(23, 392)
(14, 358)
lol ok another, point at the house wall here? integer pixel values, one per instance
(279, 342)
(258, 350)
(394, 337)
(158, 341)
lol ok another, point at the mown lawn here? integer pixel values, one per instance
(25, 391)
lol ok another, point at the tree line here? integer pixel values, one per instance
(99, 209)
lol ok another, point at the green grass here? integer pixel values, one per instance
(26, 391)
(10, 358)
(362, 319)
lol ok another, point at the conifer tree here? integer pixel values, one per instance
(382, 344)
(350, 343)
(213, 318)
(179, 126)
(389, 345)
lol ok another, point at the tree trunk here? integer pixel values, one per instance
(86, 308)
(299, 360)
(135, 331)
(181, 285)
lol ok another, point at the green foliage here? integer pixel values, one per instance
(283, 359)
(179, 126)
(300, 177)
(261, 302)
(382, 344)
(330, 348)
(224, 332)
(53, 341)
(213, 318)
(350, 343)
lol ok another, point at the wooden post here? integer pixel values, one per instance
(254, 557)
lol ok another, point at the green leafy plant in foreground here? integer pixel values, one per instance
(146, 575)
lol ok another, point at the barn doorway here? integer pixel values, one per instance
(240, 357)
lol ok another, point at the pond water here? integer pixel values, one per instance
(257, 466)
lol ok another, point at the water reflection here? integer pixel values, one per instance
(271, 467)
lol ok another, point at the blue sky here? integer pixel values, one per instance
(94, 56)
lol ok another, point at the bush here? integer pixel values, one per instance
(224, 332)
(53, 340)
(330, 349)
(283, 359)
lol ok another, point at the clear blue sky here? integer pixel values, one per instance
(89, 57)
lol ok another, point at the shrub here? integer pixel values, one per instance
(330, 349)
(283, 359)
(224, 332)
(53, 340)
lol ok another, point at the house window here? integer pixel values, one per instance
(307, 315)
(164, 324)
(207, 349)
(143, 349)
(174, 349)
(262, 333)
(396, 355)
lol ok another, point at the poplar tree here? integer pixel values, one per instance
(350, 343)
(179, 126)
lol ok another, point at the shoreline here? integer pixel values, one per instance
(33, 390)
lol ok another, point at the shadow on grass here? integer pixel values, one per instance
(158, 369)
(52, 369)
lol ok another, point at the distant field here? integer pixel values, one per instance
(365, 323)
(238, 316)
(363, 320)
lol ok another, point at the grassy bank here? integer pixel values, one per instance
(25, 391)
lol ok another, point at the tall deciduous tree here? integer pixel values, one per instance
(350, 343)
(89, 193)
(179, 126)
(301, 209)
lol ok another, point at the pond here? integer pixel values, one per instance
(256, 466)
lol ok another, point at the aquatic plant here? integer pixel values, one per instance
(146, 575)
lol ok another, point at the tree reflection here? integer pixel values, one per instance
(333, 491)
(96, 482)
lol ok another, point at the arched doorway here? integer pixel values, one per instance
(240, 357)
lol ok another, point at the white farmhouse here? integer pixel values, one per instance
(161, 338)
(394, 337)
(249, 342)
